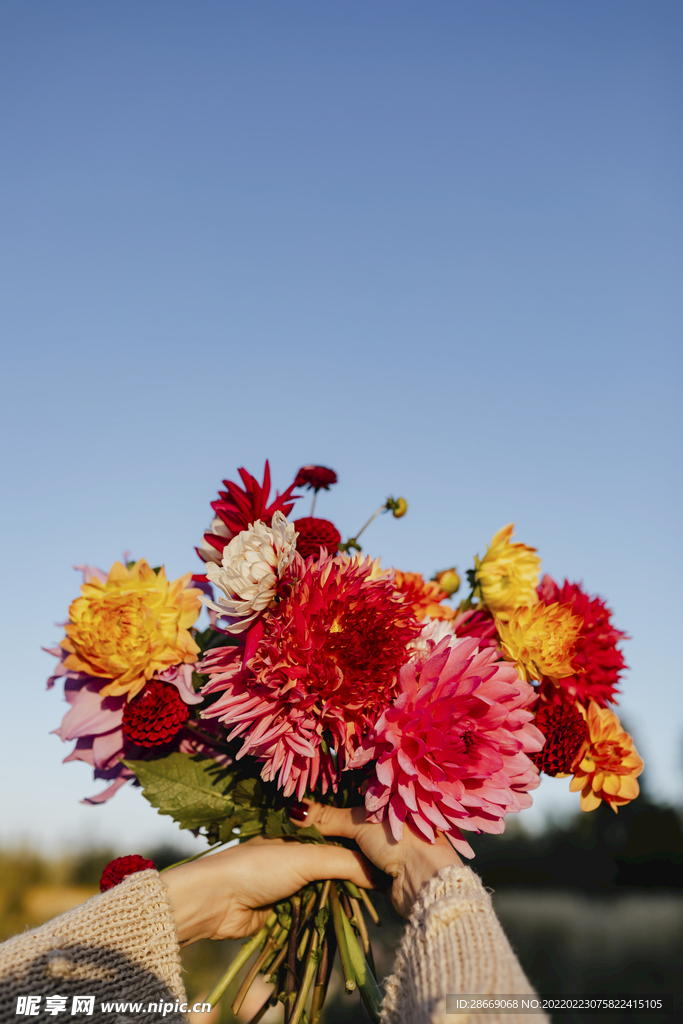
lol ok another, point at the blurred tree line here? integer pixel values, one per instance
(640, 847)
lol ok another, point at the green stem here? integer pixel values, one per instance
(274, 967)
(291, 958)
(359, 922)
(370, 993)
(240, 960)
(337, 916)
(307, 981)
(308, 908)
(195, 856)
(275, 950)
(303, 942)
(268, 948)
(361, 894)
(322, 977)
(374, 515)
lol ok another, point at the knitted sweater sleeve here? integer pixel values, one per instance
(119, 947)
(453, 944)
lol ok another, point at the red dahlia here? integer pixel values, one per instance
(118, 869)
(324, 669)
(155, 715)
(564, 729)
(477, 622)
(597, 660)
(314, 534)
(237, 508)
(316, 477)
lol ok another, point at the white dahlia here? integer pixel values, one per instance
(433, 632)
(253, 563)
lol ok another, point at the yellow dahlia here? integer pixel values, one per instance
(130, 627)
(541, 640)
(610, 763)
(507, 576)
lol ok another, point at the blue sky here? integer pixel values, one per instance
(435, 246)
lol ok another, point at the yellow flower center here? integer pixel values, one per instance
(542, 639)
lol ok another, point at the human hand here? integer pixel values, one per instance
(228, 895)
(411, 861)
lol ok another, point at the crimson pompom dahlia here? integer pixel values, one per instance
(452, 750)
(596, 658)
(315, 477)
(155, 715)
(314, 534)
(324, 669)
(237, 508)
(564, 729)
(116, 870)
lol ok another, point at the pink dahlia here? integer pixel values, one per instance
(238, 507)
(452, 750)
(322, 668)
(596, 659)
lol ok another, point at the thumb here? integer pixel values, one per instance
(332, 821)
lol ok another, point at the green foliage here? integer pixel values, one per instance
(192, 789)
(201, 793)
(278, 826)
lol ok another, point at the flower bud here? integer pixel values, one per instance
(448, 580)
(400, 507)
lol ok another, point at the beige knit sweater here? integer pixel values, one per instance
(120, 947)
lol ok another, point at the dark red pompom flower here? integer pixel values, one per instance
(316, 477)
(597, 659)
(121, 867)
(314, 534)
(564, 729)
(155, 715)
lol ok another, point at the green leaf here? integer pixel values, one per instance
(277, 825)
(248, 793)
(310, 834)
(191, 789)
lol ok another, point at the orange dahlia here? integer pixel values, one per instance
(424, 596)
(133, 625)
(610, 763)
(541, 640)
(325, 667)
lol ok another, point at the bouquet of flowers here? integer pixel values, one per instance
(323, 675)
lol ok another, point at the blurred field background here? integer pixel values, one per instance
(592, 906)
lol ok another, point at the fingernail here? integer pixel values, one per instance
(298, 811)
